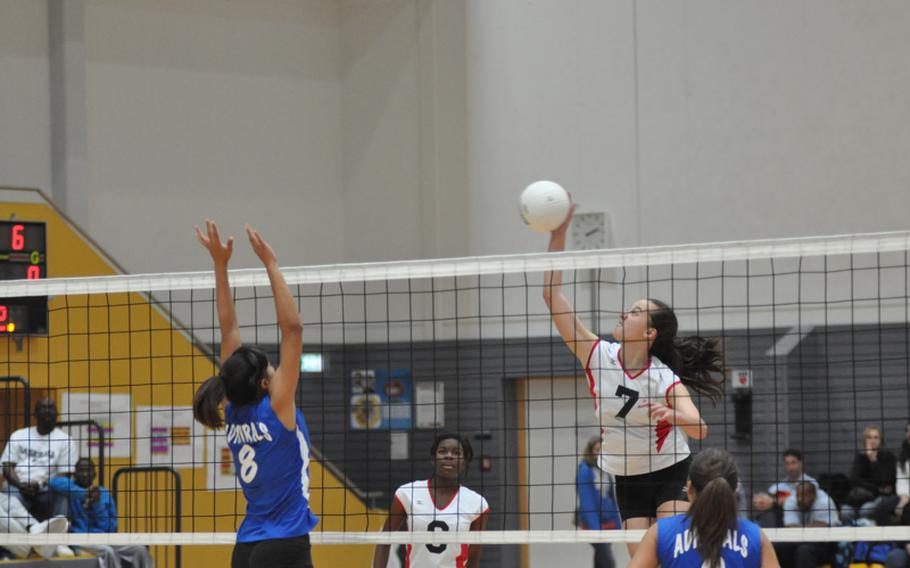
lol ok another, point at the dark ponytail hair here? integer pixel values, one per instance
(714, 477)
(238, 381)
(692, 358)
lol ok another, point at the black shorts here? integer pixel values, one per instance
(291, 552)
(641, 495)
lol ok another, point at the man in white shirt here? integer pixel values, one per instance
(793, 467)
(809, 506)
(766, 506)
(34, 455)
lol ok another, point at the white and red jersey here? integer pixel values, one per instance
(425, 514)
(631, 443)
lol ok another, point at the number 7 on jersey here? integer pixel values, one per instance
(623, 392)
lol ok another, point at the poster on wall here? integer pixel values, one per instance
(430, 400)
(113, 412)
(381, 399)
(168, 435)
(398, 446)
(219, 474)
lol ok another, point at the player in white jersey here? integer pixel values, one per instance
(440, 503)
(640, 384)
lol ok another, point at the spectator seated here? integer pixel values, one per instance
(767, 507)
(32, 457)
(93, 511)
(873, 479)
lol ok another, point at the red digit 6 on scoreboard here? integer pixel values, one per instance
(17, 240)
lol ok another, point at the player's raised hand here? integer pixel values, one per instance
(261, 247)
(211, 240)
(561, 229)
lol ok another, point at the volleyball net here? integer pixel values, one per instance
(814, 332)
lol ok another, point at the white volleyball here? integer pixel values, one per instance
(544, 205)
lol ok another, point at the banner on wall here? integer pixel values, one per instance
(219, 475)
(381, 399)
(168, 435)
(113, 412)
(430, 400)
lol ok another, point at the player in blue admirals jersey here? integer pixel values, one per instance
(709, 534)
(266, 433)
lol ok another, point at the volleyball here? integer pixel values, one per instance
(544, 205)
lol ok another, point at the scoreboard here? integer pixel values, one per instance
(23, 256)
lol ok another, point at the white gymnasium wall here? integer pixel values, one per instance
(786, 117)
(25, 147)
(373, 130)
(208, 108)
(754, 119)
(381, 129)
(321, 120)
(404, 130)
(550, 96)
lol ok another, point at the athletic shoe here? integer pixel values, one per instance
(58, 524)
(54, 525)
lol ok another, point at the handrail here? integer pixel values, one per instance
(178, 511)
(100, 430)
(28, 395)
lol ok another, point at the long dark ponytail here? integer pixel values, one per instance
(714, 477)
(692, 358)
(238, 381)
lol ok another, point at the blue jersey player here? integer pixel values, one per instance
(709, 534)
(266, 433)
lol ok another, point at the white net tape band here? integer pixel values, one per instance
(473, 266)
(836, 534)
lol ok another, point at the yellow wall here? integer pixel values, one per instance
(118, 344)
